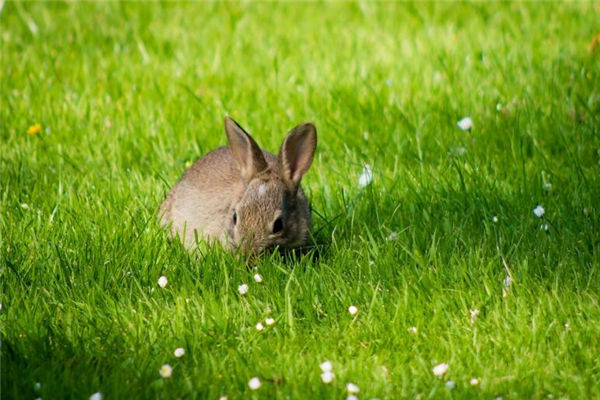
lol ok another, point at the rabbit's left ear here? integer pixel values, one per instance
(246, 152)
(297, 152)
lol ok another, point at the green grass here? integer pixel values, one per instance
(128, 94)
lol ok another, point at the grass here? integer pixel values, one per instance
(129, 94)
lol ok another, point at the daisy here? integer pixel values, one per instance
(254, 383)
(326, 366)
(327, 377)
(352, 388)
(258, 278)
(474, 381)
(243, 289)
(539, 211)
(179, 352)
(352, 310)
(366, 177)
(465, 124)
(440, 369)
(162, 281)
(270, 321)
(413, 330)
(166, 371)
(96, 396)
(259, 327)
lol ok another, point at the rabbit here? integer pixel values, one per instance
(243, 197)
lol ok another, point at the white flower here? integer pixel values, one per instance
(413, 330)
(474, 314)
(162, 281)
(450, 384)
(352, 310)
(223, 398)
(326, 366)
(440, 369)
(96, 396)
(259, 327)
(544, 227)
(351, 397)
(352, 388)
(465, 124)
(392, 236)
(507, 281)
(243, 289)
(547, 186)
(270, 321)
(539, 211)
(327, 376)
(567, 326)
(474, 381)
(366, 177)
(179, 352)
(494, 219)
(257, 278)
(254, 383)
(166, 371)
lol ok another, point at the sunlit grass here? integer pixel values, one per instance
(103, 106)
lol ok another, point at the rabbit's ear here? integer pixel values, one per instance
(247, 154)
(297, 152)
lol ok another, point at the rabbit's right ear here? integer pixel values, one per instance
(297, 152)
(247, 154)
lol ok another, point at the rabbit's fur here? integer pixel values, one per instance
(245, 197)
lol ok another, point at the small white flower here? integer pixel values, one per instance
(254, 383)
(547, 186)
(223, 398)
(243, 289)
(507, 281)
(179, 352)
(494, 219)
(351, 397)
(539, 211)
(413, 330)
(96, 396)
(352, 310)
(326, 366)
(371, 263)
(257, 278)
(499, 398)
(327, 376)
(270, 321)
(162, 281)
(544, 227)
(450, 384)
(474, 381)
(352, 388)
(465, 124)
(392, 236)
(166, 371)
(474, 314)
(440, 369)
(567, 326)
(259, 327)
(366, 177)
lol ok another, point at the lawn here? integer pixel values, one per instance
(442, 253)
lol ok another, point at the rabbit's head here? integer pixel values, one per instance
(273, 210)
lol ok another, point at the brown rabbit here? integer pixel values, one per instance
(245, 197)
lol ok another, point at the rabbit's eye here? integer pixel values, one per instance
(277, 225)
(234, 217)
